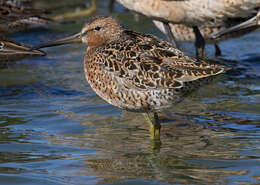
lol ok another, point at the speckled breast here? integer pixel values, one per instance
(112, 90)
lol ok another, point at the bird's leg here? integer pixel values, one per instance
(217, 50)
(155, 128)
(155, 125)
(169, 34)
(199, 43)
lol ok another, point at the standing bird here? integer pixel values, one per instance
(135, 71)
(194, 13)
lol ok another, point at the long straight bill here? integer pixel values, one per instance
(68, 40)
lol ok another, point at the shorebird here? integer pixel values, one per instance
(14, 18)
(11, 50)
(252, 23)
(194, 13)
(137, 72)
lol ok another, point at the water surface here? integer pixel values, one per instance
(55, 130)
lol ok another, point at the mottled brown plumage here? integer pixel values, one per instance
(137, 71)
(134, 71)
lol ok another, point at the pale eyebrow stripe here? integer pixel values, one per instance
(85, 32)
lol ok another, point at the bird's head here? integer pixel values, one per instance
(97, 31)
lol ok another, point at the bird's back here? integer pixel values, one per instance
(146, 68)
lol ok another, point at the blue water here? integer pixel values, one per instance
(55, 130)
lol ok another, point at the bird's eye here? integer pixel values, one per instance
(97, 28)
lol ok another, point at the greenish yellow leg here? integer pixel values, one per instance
(155, 125)
(155, 128)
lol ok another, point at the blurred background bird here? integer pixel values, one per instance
(252, 23)
(11, 50)
(200, 18)
(15, 15)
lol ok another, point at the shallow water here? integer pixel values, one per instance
(55, 130)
